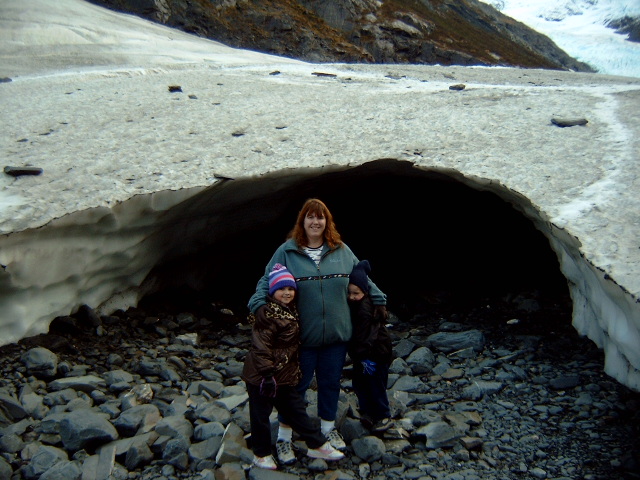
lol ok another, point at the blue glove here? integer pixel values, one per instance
(368, 366)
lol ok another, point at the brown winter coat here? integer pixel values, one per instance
(274, 349)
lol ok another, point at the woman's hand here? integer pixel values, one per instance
(380, 313)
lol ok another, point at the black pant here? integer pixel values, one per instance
(291, 407)
(371, 391)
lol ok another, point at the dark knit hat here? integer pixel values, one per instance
(279, 278)
(359, 275)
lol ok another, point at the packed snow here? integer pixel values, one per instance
(87, 101)
(579, 27)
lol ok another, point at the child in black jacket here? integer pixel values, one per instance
(371, 351)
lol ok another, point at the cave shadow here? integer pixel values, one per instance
(435, 244)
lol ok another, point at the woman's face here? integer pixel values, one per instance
(314, 226)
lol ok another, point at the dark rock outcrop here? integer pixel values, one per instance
(444, 32)
(628, 25)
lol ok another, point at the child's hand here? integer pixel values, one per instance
(368, 366)
(268, 387)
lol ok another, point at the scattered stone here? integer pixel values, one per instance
(568, 122)
(151, 403)
(18, 171)
(40, 362)
(322, 74)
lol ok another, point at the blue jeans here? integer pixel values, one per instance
(326, 363)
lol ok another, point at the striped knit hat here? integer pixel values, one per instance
(280, 277)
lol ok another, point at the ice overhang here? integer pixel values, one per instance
(425, 230)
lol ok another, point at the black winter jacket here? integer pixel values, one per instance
(370, 339)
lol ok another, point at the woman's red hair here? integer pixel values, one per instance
(315, 207)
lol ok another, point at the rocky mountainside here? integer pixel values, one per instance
(430, 32)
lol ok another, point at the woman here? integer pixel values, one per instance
(321, 263)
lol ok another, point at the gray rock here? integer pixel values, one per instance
(43, 459)
(368, 448)
(85, 383)
(232, 402)
(12, 407)
(211, 413)
(175, 452)
(211, 375)
(117, 376)
(352, 429)
(5, 468)
(564, 382)
(102, 465)
(451, 341)
(33, 403)
(115, 359)
(425, 417)
(421, 360)
(399, 366)
(61, 397)
(85, 427)
(204, 450)
(260, 474)
(438, 435)
(410, 384)
(138, 419)
(569, 122)
(175, 425)
(40, 362)
(207, 430)
(63, 470)
(480, 388)
(138, 455)
(11, 443)
(403, 348)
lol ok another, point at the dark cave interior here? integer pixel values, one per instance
(429, 238)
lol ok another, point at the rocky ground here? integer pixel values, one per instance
(527, 399)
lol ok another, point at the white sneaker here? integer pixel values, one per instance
(285, 453)
(265, 462)
(326, 452)
(335, 439)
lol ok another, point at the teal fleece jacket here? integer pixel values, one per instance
(322, 292)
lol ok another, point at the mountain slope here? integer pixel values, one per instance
(445, 32)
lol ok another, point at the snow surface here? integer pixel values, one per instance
(579, 28)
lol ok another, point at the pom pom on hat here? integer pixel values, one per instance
(359, 275)
(280, 277)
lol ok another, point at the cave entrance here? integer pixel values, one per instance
(433, 242)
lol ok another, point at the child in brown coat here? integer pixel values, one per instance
(272, 371)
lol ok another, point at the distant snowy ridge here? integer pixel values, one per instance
(584, 29)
